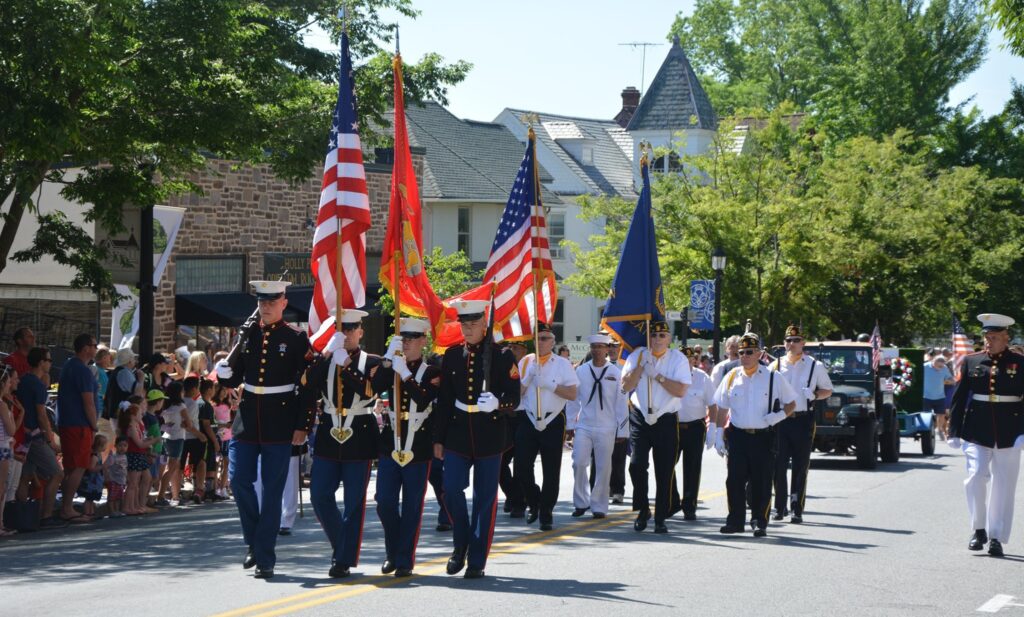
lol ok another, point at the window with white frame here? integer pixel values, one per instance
(556, 233)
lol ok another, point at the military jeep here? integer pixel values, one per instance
(860, 415)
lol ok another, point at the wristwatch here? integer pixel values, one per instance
(660, 378)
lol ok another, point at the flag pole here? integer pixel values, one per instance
(338, 309)
(396, 66)
(534, 258)
(650, 406)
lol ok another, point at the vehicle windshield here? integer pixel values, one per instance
(845, 361)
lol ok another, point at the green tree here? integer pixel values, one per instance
(834, 237)
(861, 66)
(138, 93)
(1009, 16)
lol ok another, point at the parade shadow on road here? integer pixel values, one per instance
(552, 587)
(849, 463)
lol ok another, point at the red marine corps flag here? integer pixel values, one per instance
(339, 242)
(402, 260)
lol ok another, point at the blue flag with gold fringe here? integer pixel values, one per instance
(636, 298)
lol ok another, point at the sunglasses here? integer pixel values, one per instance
(794, 339)
(661, 335)
(748, 352)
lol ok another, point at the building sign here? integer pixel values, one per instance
(292, 267)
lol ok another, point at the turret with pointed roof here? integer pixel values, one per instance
(675, 100)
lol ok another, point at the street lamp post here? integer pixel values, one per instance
(718, 265)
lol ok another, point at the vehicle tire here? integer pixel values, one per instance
(890, 442)
(928, 443)
(867, 444)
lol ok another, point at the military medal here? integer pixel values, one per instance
(283, 347)
(1011, 370)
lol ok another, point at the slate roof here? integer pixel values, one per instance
(465, 159)
(674, 99)
(611, 172)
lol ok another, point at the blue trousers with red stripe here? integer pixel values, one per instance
(401, 525)
(344, 529)
(473, 531)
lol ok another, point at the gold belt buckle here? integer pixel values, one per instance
(259, 389)
(992, 398)
(405, 415)
(472, 409)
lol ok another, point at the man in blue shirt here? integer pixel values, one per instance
(936, 377)
(43, 448)
(76, 418)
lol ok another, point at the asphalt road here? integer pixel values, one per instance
(885, 542)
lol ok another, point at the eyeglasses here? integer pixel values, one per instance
(748, 352)
(795, 339)
(661, 335)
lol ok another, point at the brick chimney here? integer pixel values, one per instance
(630, 101)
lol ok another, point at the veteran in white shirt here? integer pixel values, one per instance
(693, 428)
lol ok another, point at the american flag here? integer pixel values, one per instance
(961, 346)
(876, 347)
(345, 209)
(513, 263)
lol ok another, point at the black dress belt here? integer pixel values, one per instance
(691, 423)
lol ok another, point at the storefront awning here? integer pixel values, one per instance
(231, 309)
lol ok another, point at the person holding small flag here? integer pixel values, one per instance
(547, 383)
(479, 389)
(406, 454)
(347, 438)
(987, 423)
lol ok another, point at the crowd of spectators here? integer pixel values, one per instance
(111, 437)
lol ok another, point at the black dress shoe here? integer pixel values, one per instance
(660, 528)
(457, 561)
(578, 512)
(797, 519)
(403, 572)
(387, 567)
(338, 571)
(264, 572)
(778, 516)
(760, 532)
(995, 548)
(978, 540)
(517, 514)
(507, 507)
(641, 520)
(600, 515)
(689, 516)
(532, 516)
(546, 526)
(474, 572)
(284, 531)
(249, 561)
(443, 527)
(731, 529)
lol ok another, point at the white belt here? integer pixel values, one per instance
(467, 408)
(269, 389)
(997, 398)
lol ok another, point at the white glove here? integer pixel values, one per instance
(339, 356)
(709, 439)
(223, 370)
(337, 342)
(487, 402)
(775, 417)
(720, 442)
(809, 393)
(1019, 443)
(393, 348)
(547, 383)
(954, 442)
(400, 367)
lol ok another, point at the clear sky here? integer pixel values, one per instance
(564, 56)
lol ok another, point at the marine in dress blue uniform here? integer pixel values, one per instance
(347, 439)
(987, 423)
(471, 433)
(270, 419)
(405, 459)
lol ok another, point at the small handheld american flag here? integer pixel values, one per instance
(961, 346)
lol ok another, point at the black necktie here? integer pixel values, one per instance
(597, 387)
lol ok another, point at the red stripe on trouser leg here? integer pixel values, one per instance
(362, 521)
(419, 525)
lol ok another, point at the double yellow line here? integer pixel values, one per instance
(360, 586)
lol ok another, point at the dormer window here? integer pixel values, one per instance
(587, 156)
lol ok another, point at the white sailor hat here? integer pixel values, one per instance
(599, 339)
(992, 322)
(470, 310)
(413, 328)
(350, 318)
(269, 290)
